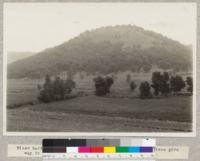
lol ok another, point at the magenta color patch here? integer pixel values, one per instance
(84, 149)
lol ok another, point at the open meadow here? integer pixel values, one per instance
(119, 111)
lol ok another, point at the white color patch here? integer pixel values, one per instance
(72, 149)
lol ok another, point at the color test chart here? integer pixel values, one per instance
(98, 149)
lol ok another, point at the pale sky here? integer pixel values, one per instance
(37, 26)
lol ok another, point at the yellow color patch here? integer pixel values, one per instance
(109, 149)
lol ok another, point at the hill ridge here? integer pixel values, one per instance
(106, 50)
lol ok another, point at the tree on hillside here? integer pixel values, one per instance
(70, 74)
(115, 49)
(189, 81)
(177, 83)
(147, 68)
(81, 76)
(145, 90)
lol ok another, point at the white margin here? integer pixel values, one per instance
(101, 134)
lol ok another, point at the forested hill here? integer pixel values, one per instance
(105, 50)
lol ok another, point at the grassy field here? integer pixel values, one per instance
(24, 91)
(171, 108)
(21, 91)
(173, 113)
(99, 114)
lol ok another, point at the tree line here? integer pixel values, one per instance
(162, 84)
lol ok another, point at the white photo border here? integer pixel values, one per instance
(102, 134)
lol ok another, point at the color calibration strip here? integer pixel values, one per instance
(159, 152)
(99, 142)
(97, 148)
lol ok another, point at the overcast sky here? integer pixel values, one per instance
(37, 26)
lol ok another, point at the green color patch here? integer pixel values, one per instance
(121, 149)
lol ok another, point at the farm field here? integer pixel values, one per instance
(21, 91)
(171, 109)
(94, 114)
(25, 91)
(120, 111)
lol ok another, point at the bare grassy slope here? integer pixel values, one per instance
(98, 114)
(106, 50)
(172, 108)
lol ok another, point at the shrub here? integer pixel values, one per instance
(55, 90)
(58, 89)
(69, 85)
(177, 83)
(132, 86)
(100, 86)
(189, 81)
(103, 85)
(164, 85)
(145, 90)
(46, 91)
(156, 82)
(109, 81)
(160, 83)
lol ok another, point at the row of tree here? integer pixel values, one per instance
(162, 84)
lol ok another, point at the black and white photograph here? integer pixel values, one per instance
(99, 68)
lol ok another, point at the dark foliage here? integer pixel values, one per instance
(160, 83)
(156, 82)
(132, 86)
(55, 90)
(177, 83)
(145, 90)
(103, 85)
(189, 81)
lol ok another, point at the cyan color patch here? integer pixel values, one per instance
(134, 149)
